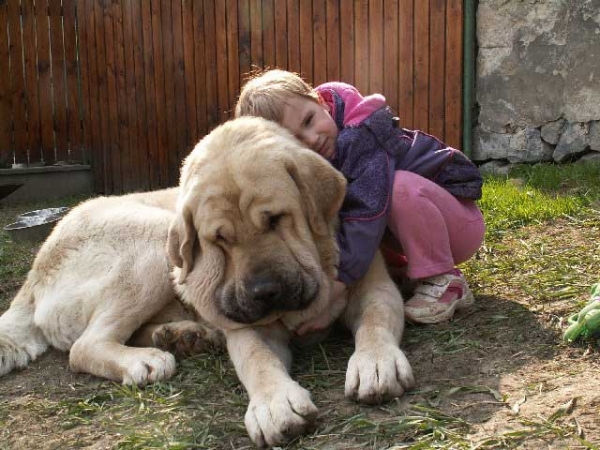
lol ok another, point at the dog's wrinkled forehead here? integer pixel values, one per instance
(243, 206)
(238, 175)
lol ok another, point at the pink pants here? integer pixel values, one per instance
(436, 230)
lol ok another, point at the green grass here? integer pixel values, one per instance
(539, 254)
(538, 194)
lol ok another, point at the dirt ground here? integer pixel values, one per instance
(497, 376)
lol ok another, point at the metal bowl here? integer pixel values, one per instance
(35, 226)
(40, 213)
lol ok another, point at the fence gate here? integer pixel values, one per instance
(131, 85)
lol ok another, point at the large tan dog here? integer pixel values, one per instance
(251, 237)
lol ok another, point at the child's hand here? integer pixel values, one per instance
(338, 300)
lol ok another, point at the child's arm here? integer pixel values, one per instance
(358, 241)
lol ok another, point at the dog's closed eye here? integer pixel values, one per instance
(274, 220)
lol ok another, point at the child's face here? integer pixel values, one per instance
(312, 124)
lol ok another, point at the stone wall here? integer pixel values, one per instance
(538, 81)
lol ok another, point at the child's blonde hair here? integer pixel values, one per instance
(266, 93)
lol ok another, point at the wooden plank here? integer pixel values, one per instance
(437, 58)
(361, 20)
(319, 42)
(82, 19)
(347, 41)
(376, 41)
(151, 121)
(127, 165)
(421, 108)
(454, 58)
(211, 64)
(58, 81)
(244, 39)
(113, 149)
(133, 163)
(192, 134)
(406, 58)
(141, 131)
(390, 53)
(103, 103)
(179, 79)
(19, 121)
(332, 14)
(45, 83)
(268, 31)
(293, 35)
(256, 35)
(93, 118)
(221, 59)
(74, 137)
(306, 41)
(233, 63)
(159, 92)
(169, 92)
(31, 87)
(200, 68)
(281, 35)
(6, 107)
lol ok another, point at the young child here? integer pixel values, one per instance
(407, 181)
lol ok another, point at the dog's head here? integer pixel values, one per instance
(254, 235)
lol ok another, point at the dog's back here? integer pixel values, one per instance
(94, 262)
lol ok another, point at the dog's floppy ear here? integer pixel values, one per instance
(180, 242)
(321, 186)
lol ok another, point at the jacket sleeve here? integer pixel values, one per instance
(363, 217)
(432, 159)
(358, 241)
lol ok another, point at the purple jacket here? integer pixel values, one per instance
(369, 149)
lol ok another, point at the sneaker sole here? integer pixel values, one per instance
(467, 300)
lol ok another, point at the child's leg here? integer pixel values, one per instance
(436, 231)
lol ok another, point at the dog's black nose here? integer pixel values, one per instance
(264, 290)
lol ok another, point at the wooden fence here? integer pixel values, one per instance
(40, 111)
(133, 84)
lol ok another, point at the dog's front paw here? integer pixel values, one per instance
(147, 365)
(277, 417)
(378, 374)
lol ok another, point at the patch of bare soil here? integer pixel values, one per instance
(537, 385)
(31, 413)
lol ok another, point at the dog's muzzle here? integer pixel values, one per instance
(263, 293)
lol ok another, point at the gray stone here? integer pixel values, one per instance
(527, 146)
(573, 140)
(488, 145)
(594, 136)
(551, 131)
(495, 168)
(592, 157)
(522, 62)
(518, 147)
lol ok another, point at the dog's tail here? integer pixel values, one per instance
(20, 340)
